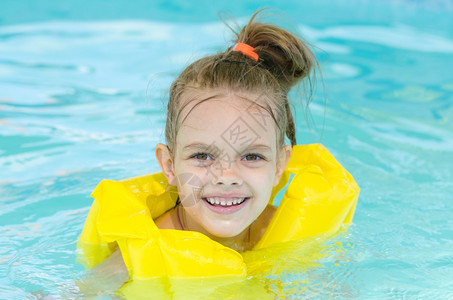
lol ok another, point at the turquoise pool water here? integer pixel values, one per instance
(81, 98)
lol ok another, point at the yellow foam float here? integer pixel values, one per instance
(320, 198)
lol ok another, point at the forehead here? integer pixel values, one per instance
(233, 118)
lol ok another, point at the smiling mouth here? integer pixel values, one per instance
(225, 202)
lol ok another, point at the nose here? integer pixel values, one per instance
(226, 174)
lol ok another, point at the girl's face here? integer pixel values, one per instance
(225, 162)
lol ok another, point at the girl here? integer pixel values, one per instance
(228, 116)
(227, 122)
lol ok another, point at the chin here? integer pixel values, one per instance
(223, 233)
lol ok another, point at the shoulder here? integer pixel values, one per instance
(168, 220)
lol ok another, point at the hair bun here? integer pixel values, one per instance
(285, 56)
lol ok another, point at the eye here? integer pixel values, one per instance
(252, 157)
(202, 156)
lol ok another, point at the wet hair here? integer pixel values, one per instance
(284, 61)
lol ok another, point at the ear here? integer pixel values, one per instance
(282, 161)
(165, 161)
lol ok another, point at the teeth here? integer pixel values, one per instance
(223, 202)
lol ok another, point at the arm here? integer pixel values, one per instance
(105, 278)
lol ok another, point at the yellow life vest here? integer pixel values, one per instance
(319, 199)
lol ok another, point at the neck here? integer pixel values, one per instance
(240, 242)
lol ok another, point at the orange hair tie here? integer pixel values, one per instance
(246, 50)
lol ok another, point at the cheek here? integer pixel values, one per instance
(261, 180)
(200, 172)
(189, 183)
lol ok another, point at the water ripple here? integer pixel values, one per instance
(399, 36)
(74, 110)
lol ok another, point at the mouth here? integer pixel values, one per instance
(225, 201)
(226, 205)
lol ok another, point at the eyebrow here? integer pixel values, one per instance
(214, 146)
(200, 146)
(258, 147)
